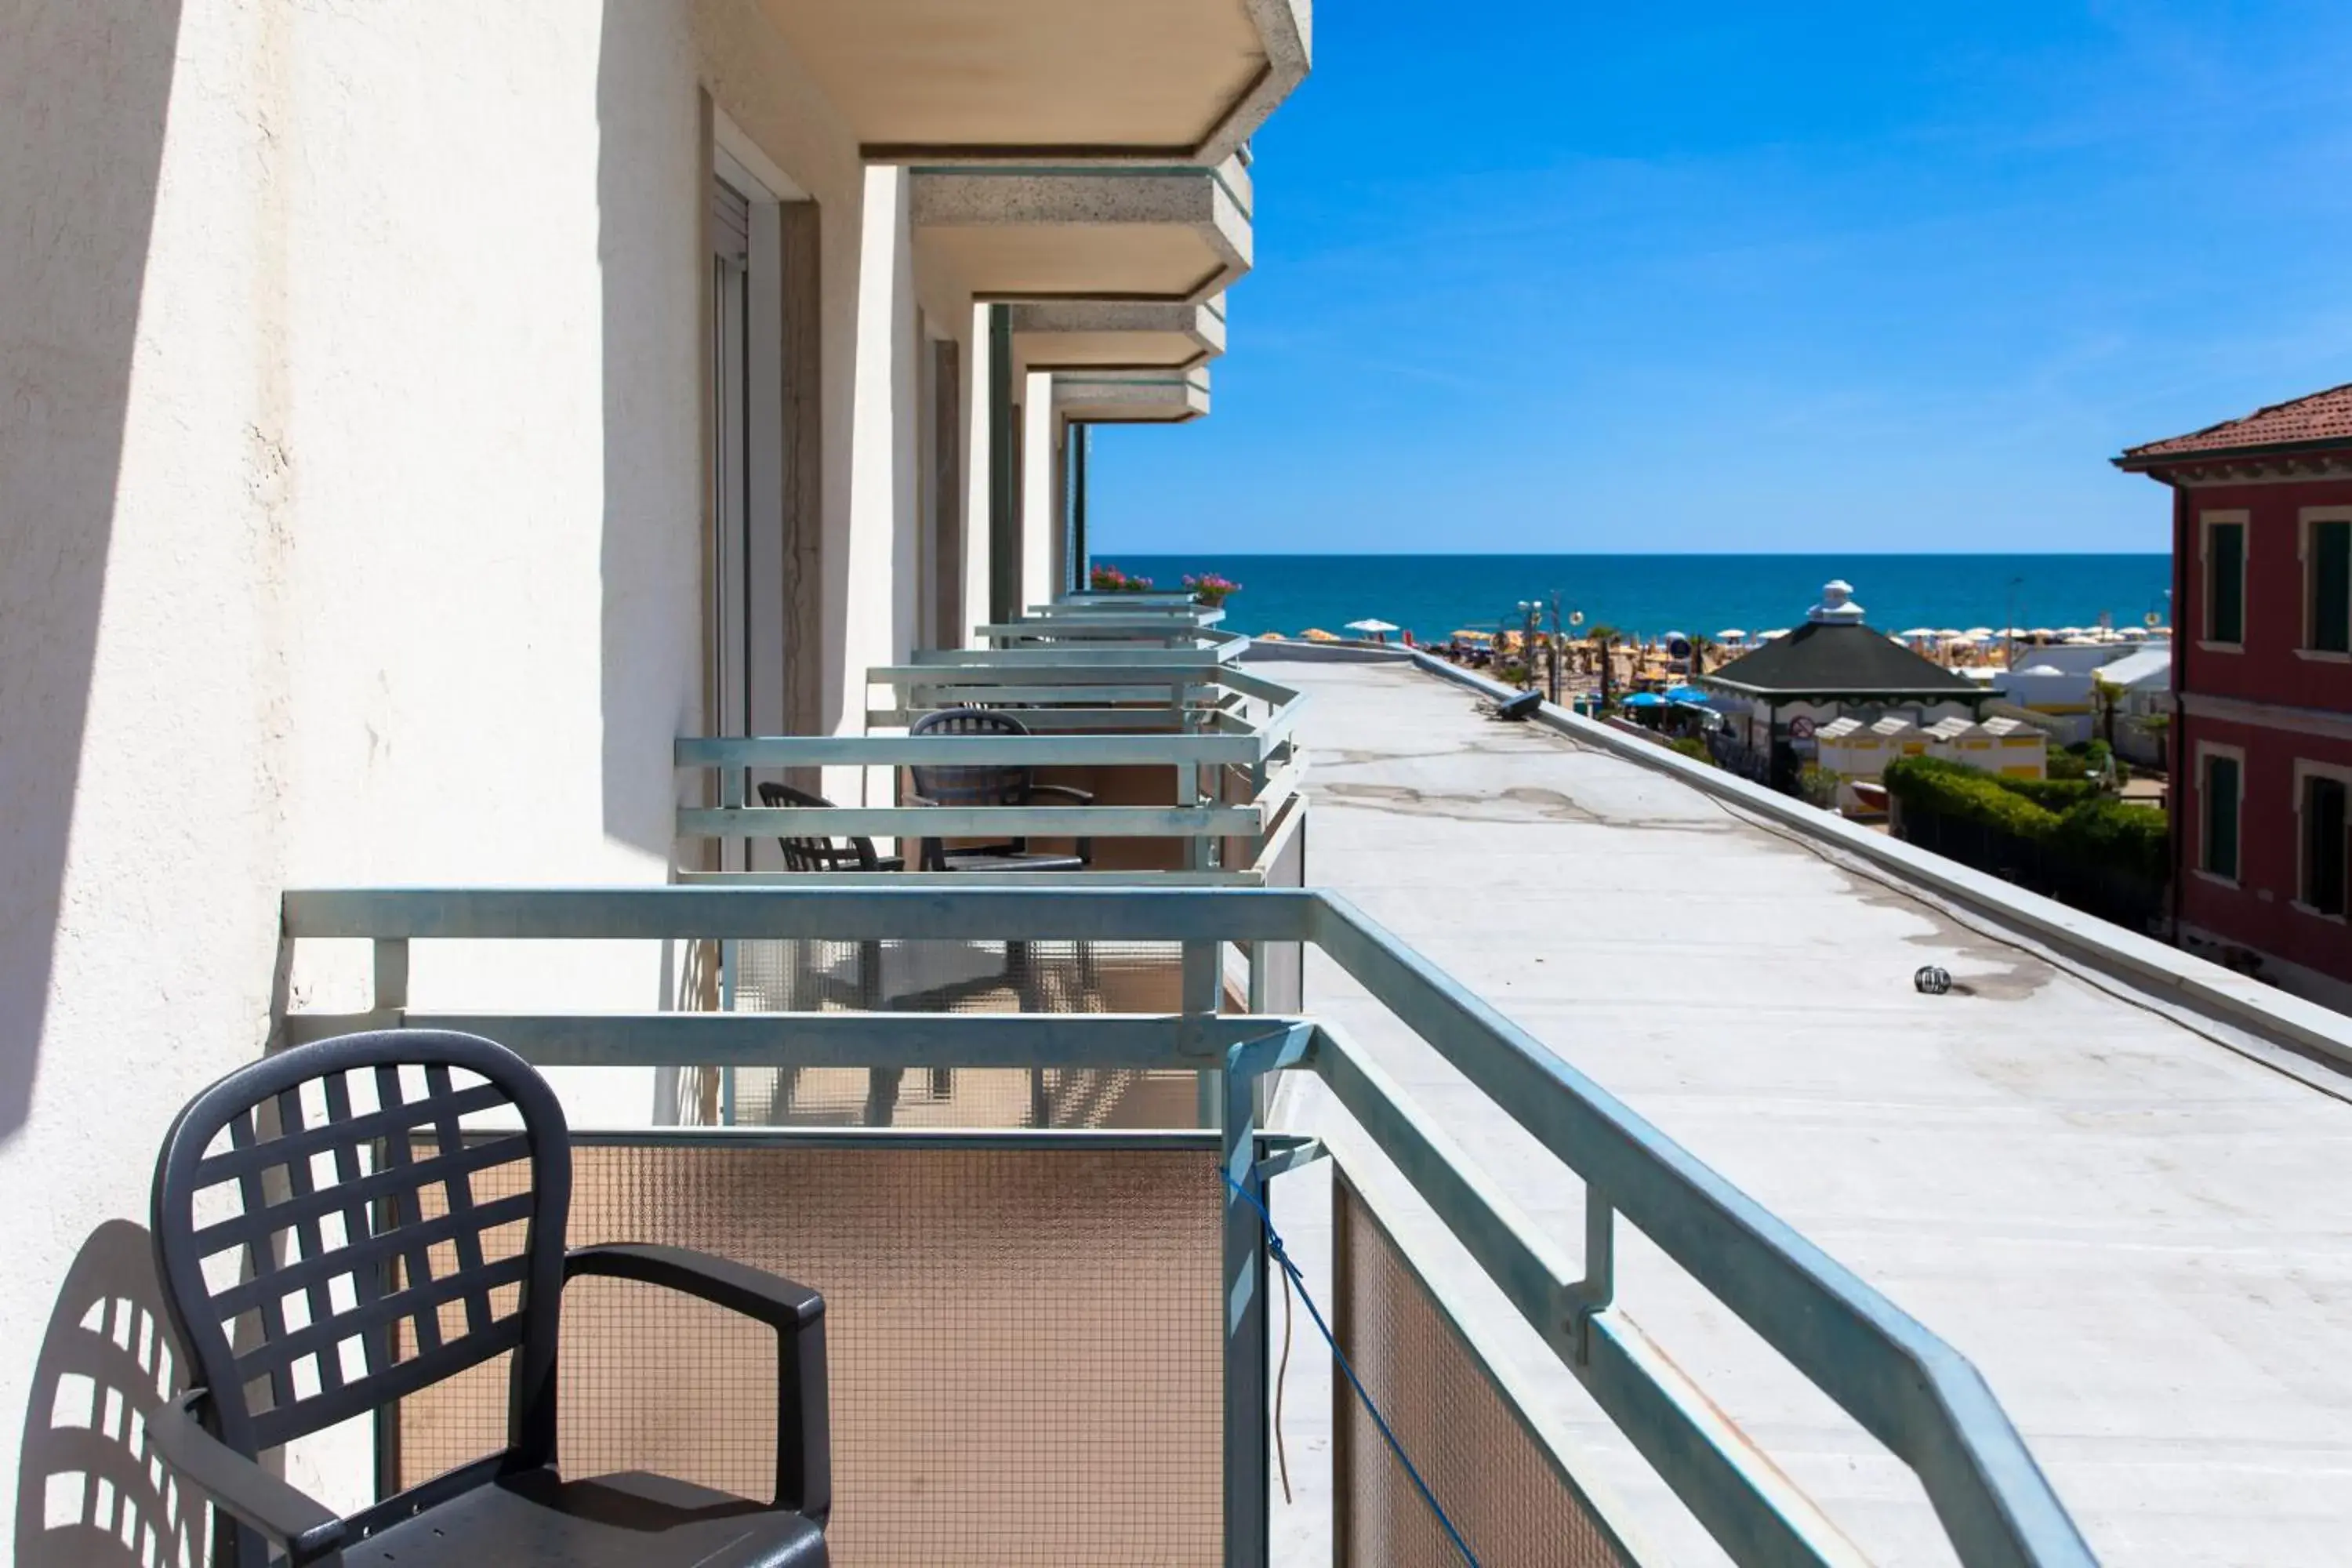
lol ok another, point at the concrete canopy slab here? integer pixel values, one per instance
(1132, 397)
(1169, 234)
(1117, 334)
(944, 80)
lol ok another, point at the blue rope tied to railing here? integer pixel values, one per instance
(1282, 1258)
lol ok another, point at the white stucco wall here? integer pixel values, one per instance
(878, 612)
(977, 431)
(349, 521)
(1040, 459)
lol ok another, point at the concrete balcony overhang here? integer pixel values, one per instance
(1117, 334)
(1169, 234)
(1132, 397)
(933, 80)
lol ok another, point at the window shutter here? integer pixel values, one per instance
(730, 223)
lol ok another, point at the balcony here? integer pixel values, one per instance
(1132, 397)
(1169, 234)
(1112, 335)
(1192, 762)
(1060, 80)
(1053, 1142)
(1172, 766)
(1053, 1343)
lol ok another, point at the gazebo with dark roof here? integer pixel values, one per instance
(1834, 657)
(1831, 663)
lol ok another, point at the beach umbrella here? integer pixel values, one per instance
(1978, 634)
(1731, 633)
(1317, 634)
(1775, 635)
(1917, 633)
(1643, 700)
(1272, 637)
(1686, 694)
(1373, 626)
(1948, 635)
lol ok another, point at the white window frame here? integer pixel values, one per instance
(2304, 519)
(2207, 750)
(2304, 769)
(2206, 523)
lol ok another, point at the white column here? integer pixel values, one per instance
(975, 475)
(884, 495)
(1038, 519)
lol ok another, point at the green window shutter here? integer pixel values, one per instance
(2225, 612)
(2331, 586)
(2323, 845)
(2222, 816)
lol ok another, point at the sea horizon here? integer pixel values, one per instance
(1701, 593)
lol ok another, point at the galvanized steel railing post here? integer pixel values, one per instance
(1248, 1508)
(1592, 1294)
(1247, 1515)
(391, 975)
(1200, 988)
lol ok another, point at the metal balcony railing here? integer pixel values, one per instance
(1180, 745)
(1051, 1344)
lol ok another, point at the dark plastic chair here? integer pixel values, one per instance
(856, 855)
(1004, 784)
(320, 1303)
(824, 854)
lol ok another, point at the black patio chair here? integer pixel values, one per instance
(999, 784)
(856, 854)
(995, 785)
(353, 1183)
(822, 854)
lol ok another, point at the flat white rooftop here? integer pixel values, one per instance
(2135, 1220)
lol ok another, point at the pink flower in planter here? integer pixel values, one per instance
(1210, 588)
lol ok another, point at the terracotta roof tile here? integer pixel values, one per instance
(2322, 416)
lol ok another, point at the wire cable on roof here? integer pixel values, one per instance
(1290, 1272)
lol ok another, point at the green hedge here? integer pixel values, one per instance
(2091, 830)
(1931, 784)
(2052, 795)
(2115, 834)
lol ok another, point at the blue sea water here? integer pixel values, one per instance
(1653, 594)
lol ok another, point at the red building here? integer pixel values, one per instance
(2262, 674)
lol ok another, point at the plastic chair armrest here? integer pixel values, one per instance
(296, 1522)
(804, 1426)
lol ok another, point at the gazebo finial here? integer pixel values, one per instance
(1837, 606)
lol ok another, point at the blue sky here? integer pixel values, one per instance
(1722, 276)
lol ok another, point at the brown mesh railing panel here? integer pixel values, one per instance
(1025, 1345)
(1501, 1487)
(815, 975)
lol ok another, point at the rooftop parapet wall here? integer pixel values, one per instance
(2162, 970)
